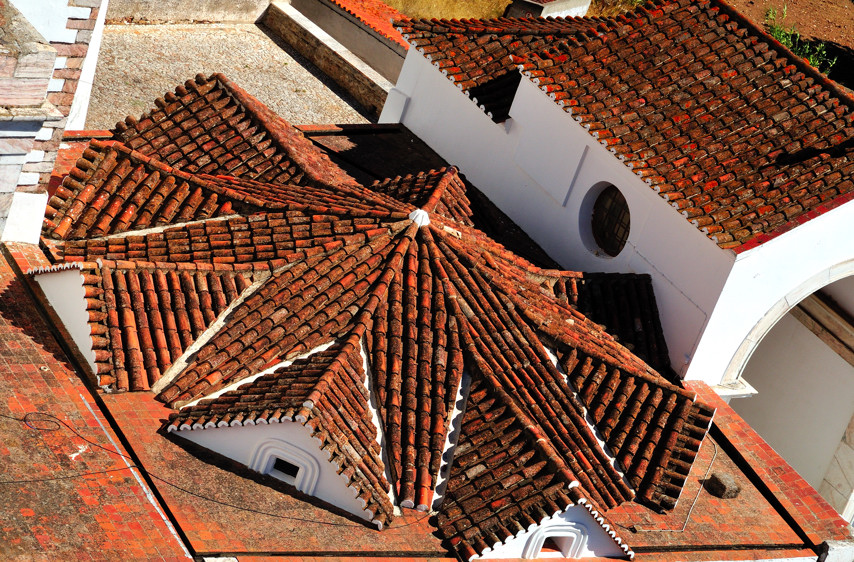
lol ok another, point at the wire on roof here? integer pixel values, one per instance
(56, 424)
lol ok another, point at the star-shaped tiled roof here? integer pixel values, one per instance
(738, 134)
(258, 283)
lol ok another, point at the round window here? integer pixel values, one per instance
(611, 221)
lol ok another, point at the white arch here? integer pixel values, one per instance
(574, 537)
(778, 310)
(267, 451)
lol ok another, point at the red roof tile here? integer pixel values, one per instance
(332, 382)
(375, 14)
(739, 135)
(399, 271)
(212, 126)
(143, 316)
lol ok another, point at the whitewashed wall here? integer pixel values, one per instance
(531, 167)
(765, 283)
(64, 290)
(241, 443)
(596, 541)
(805, 400)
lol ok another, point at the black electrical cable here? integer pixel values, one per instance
(58, 424)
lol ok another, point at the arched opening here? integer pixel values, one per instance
(803, 371)
(556, 540)
(286, 462)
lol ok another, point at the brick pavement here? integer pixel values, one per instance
(817, 519)
(60, 514)
(301, 524)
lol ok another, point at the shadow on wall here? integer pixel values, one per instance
(29, 320)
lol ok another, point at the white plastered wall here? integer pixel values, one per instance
(592, 540)
(532, 168)
(765, 283)
(24, 221)
(50, 17)
(805, 397)
(64, 290)
(245, 443)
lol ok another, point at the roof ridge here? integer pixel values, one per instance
(439, 191)
(306, 155)
(323, 382)
(247, 267)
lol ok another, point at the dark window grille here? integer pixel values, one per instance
(611, 221)
(288, 469)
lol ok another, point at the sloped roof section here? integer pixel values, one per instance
(221, 315)
(738, 134)
(143, 316)
(326, 392)
(212, 126)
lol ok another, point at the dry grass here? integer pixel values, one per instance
(607, 8)
(451, 9)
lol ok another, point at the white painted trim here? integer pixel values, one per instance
(80, 105)
(266, 453)
(182, 362)
(576, 531)
(163, 228)
(375, 417)
(451, 439)
(589, 420)
(247, 380)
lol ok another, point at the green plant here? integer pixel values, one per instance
(814, 51)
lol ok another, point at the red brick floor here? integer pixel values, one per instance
(298, 524)
(816, 518)
(62, 497)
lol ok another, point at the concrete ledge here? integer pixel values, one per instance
(360, 80)
(381, 53)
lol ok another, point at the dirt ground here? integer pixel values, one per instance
(139, 63)
(828, 20)
(831, 21)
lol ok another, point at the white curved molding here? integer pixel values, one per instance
(570, 537)
(266, 453)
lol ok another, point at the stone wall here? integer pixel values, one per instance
(364, 83)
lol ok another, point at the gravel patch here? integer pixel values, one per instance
(139, 63)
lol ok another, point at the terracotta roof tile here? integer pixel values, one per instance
(212, 126)
(326, 392)
(143, 316)
(375, 14)
(399, 271)
(739, 135)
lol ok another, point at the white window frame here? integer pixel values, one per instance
(571, 538)
(266, 453)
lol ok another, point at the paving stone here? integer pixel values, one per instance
(171, 54)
